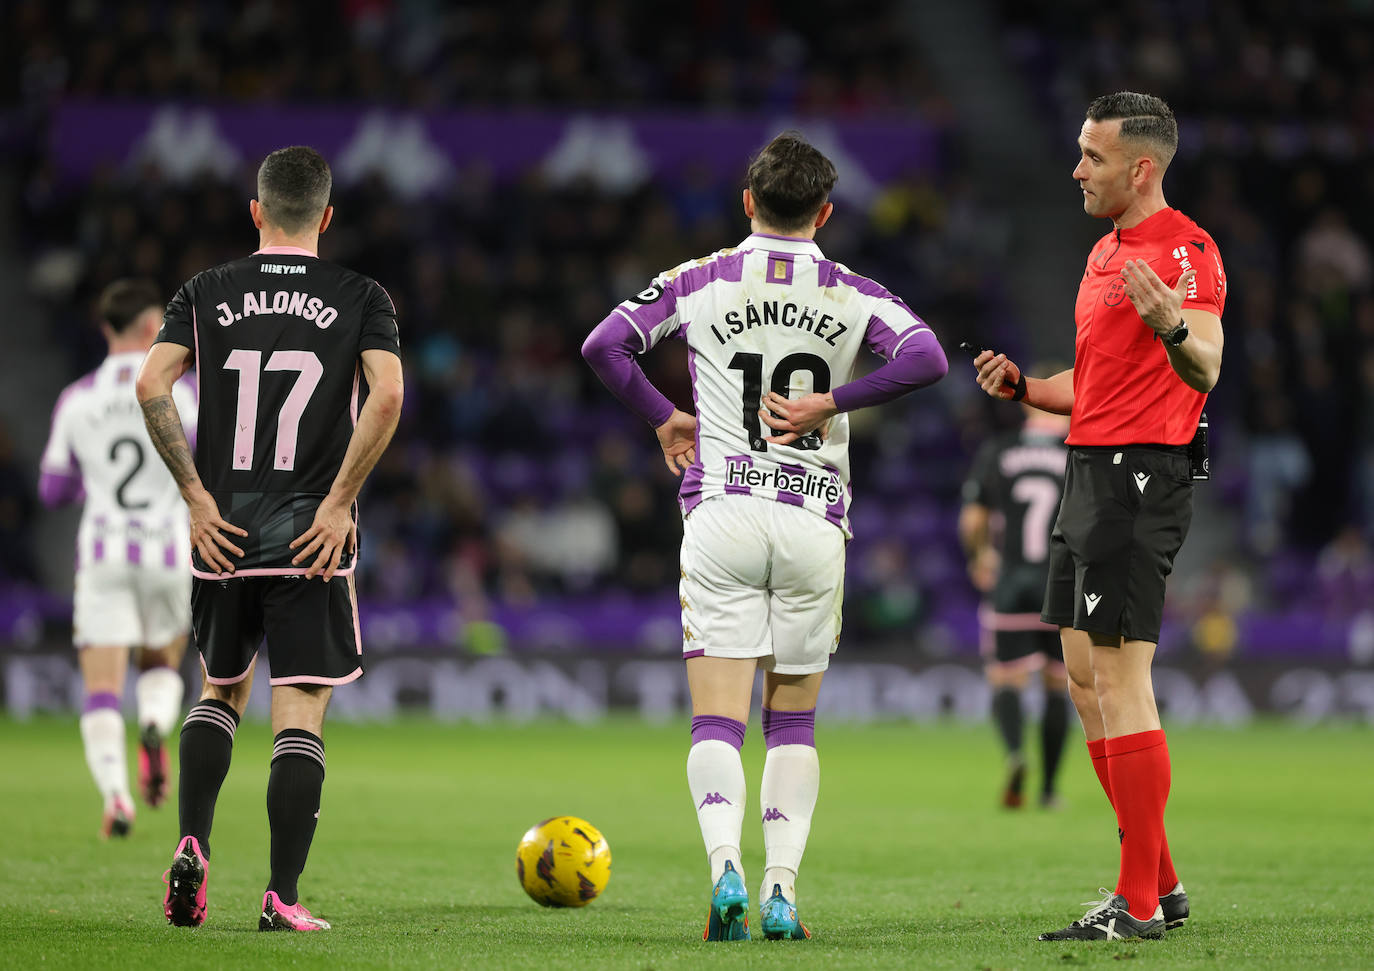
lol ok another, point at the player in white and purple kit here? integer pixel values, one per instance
(773, 329)
(133, 588)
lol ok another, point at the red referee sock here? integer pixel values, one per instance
(1138, 770)
(1168, 878)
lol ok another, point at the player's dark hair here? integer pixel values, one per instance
(293, 188)
(790, 181)
(123, 301)
(1144, 118)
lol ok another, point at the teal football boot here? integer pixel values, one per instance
(728, 919)
(778, 919)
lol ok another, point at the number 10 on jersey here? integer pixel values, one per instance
(308, 370)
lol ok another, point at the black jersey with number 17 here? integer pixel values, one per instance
(1020, 478)
(277, 338)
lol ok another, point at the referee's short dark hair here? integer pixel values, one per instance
(122, 302)
(293, 188)
(1144, 118)
(790, 180)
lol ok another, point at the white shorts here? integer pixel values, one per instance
(119, 605)
(764, 579)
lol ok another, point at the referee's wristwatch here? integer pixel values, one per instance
(1178, 335)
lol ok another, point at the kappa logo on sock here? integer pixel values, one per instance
(715, 799)
(773, 815)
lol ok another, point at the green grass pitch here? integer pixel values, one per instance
(910, 863)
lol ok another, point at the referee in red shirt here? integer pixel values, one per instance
(1147, 351)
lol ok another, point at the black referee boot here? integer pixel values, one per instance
(1110, 920)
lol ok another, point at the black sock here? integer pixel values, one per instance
(293, 805)
(1054, 727)
(207, 745)
(1006, 711)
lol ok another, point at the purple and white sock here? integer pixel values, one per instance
(715, 776)
(791, 780)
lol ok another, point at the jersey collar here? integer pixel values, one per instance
(284, 251)
(782, 244)
(1154, 226)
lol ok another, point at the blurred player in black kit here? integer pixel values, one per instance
(280, 341)
(1011, 497)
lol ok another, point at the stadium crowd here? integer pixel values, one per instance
(824, 56)
(515, 477)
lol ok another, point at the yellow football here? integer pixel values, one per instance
(563, 862)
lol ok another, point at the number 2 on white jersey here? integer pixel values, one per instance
(249, 365)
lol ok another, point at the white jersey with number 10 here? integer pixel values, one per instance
(770, 314)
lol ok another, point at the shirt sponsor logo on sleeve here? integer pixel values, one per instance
(1186, 264)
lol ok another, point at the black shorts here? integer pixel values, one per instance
(311, 628)
(1012, 637)
(1125, 514)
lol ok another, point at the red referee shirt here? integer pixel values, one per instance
(1124, 391)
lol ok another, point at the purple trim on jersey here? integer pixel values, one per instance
(97, 700)
(834, 512)
(919, 361)
(831, 275)
(728, 269)
(287, 251)
(789, 727)
(779, 268)
(730, 488)
(699, 652)
(718, 728)
(689, 495)
(133, 553)
(59, 488)
(169, 555)
(790, 239)
(98, 549)
(787, 495)
(388, 297)
(609, 350)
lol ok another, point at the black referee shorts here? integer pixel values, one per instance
(1125, 513)
(311, 628)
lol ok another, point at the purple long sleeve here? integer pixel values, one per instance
(920, 361)
(58, 489)
(610, 350)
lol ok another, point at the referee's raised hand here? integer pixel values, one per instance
(1159, 305)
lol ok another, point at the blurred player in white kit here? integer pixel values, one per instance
(773, 330)
(133, 549)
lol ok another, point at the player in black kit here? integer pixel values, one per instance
(1011, 497)
(280, 341)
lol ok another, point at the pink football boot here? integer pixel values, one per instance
(185, 904)
(276, 916)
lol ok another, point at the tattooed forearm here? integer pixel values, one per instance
(164, 427)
